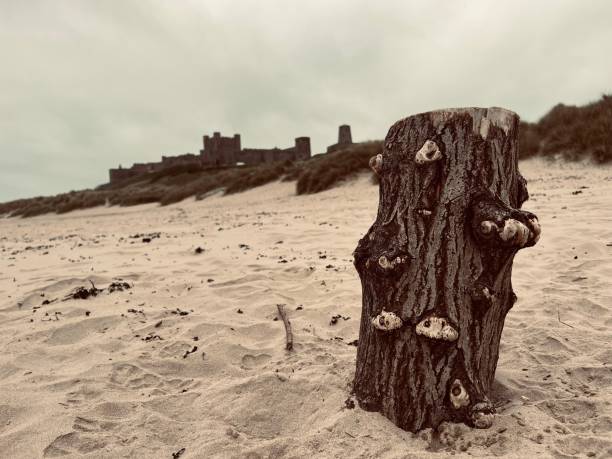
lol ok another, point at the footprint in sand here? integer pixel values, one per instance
(570, 411)
(249, 361)
(113, 410)
(83, 424)
(72, 333)
(88, 435)
(8, 414)
(73, 442)
(133, 377)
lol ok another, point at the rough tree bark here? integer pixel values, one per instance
(436, 266)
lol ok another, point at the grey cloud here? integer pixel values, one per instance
(87, 85)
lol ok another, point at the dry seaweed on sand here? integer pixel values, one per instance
(82, 293)
(118, 286)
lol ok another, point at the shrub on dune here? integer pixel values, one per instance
(332, 168)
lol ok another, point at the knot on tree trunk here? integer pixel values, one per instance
(385, 263)
(437, 328)
(428, 153)
(376, 163)
(482, 415)
(495, 223)
(459, 397)
(435, 266)
(387, 321)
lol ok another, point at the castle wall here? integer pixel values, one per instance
(188, 158)
(118, 175)
(143, 168)
(220, 151)
(300, 152)
(252, 156)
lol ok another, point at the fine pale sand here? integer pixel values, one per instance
(114, 376)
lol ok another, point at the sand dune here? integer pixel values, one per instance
(192, 356)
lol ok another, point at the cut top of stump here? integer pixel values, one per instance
(482, 118)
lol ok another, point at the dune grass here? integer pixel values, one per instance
(180, 182)
(571, 132)
(326, 171)
(183, 181)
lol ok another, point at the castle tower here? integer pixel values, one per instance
(219, 150)
(302, 148)
(205, 157)
(344, 135)
(344, 139)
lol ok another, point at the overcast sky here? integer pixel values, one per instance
(87, 85)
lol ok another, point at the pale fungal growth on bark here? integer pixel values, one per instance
(385, 263)
(487, 227)
(537, 229)
(437, 328)
(458, 395)
(428, 153)
(376, 163)
(516, 231)
(482, 415)
(387, 321)
(513, 231)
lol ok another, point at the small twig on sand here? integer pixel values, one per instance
(283, 314)
(559, 319)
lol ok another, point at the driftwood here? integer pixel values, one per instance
(289, 334)
(436, 265)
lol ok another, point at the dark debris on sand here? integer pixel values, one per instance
(118, 286)
(146, 237)
(83, 293)
(195, 348)
(334, 319)
(152, 337)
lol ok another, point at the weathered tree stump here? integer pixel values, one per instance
(436, 265)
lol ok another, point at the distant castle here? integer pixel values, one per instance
(227, 151)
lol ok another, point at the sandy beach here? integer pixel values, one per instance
(190, 360)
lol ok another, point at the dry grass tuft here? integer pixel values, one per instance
(574, 133)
